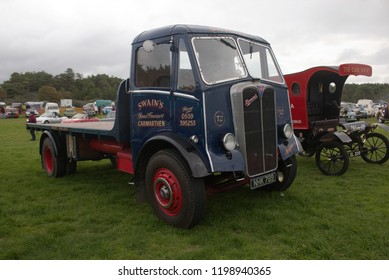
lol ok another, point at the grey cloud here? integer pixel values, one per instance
(90, 39)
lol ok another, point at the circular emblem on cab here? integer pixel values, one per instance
(219, 118)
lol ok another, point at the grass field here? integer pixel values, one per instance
(93, 214)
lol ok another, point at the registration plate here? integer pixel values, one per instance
(354, 154)
(263, 180)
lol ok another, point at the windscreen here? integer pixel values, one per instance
(260, 61)
(218, 59)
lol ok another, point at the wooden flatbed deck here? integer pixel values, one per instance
(96, 128)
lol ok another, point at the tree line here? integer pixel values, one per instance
(42, 86)
(375, 92)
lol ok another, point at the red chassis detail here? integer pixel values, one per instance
(122, 152)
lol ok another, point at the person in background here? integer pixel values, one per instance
(32, 119)
(2, 112)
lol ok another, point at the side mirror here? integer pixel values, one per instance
(148, 46)
(127, 85)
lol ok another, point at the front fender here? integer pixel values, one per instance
(332, 136)
(293, 147)
(197, 165)
(381, 125)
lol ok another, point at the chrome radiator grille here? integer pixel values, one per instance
(255, 123)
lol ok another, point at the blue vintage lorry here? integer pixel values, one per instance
(204, 109)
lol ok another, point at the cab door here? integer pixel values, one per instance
(186, 95)
(151, 93)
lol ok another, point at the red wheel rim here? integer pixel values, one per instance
(48, 157)
(167, 192)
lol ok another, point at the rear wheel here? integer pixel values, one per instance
(53, 165)
(332, 159)
(176, 197)
(375, 148)
(71, 167)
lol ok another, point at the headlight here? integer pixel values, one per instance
(229, 141)
(288, 131)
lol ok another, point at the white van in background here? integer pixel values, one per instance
(368, 104)
(52, 107)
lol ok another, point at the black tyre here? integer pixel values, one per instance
(176, 197)
(53, 166)
(71, 167)
(286, 173)
(375, 148)
(332, 159)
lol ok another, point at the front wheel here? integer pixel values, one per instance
(332, 159)
(375, 148)
(176, 197)
(286, 173)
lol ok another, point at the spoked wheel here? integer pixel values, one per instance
(53, 165)
(375, 148)
(353, 148)
(176, 197)
(332, 159)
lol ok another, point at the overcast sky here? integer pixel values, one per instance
(94, 37)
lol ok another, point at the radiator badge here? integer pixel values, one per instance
(251, 100)
(261, 90)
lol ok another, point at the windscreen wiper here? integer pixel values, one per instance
(225, 42)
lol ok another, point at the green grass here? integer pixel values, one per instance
(93, 214)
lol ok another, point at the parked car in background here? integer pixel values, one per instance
(90, 112)
(50, 117)
(368, 105)
(11, 113)
(346, 116)
(89, 109)
(110, 116)
(69, 112)
(347, 113)
(107, 109)
(362, 112)
(28, 112)
(52, 107)
(81, 117)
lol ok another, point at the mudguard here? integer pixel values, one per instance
(355, 126)
(381, 125)
(48, 134)
(293, 147)
(342, 136)
(197, 165)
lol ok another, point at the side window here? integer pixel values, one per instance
(153, 68)
(186, 79)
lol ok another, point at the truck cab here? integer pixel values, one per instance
(216, 96)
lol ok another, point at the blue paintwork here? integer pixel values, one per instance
(163, 110)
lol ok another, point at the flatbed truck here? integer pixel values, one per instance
(203, 110)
